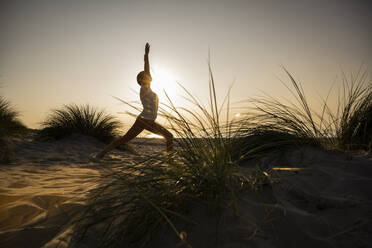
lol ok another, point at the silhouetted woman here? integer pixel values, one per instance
(145, 120)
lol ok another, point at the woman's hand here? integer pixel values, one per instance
(147, 48)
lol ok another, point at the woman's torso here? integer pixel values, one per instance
(150, 103)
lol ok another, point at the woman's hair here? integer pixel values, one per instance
(141, 76)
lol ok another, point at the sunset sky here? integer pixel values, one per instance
(59, 52)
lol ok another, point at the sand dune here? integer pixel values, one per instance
(46, 184)
(318, 198)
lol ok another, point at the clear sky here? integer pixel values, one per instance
(85, 51)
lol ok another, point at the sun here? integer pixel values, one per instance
(163, 80)
(152, 135)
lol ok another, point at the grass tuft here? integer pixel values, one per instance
(9, 122)
(83, 119)
(292, 123)
(10, 125)
(294, 118)
(354, 127)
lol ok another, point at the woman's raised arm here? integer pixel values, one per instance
(147, 64)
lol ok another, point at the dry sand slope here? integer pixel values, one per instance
(326, 203)
(47, 183)
(320, 199)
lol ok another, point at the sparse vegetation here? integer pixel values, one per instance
(136, 200)
(287, 122)
(158, 190)
(9, 122)
(354, 127)
(83, 119)
(273, 123)
(10, 125)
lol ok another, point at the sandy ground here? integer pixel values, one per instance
(318, 198)
(47, 182)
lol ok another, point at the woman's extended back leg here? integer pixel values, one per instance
(136, 129)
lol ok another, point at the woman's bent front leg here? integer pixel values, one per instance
(160, 130)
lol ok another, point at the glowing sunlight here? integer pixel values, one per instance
(164, 80)
(152, 135)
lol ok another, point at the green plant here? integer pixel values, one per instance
(272, 122)
(136, 200)
(9, 122)
(259, 141)
(6, 151)
(273, 125)
(10, 125)
(354, 127)
(83, 119)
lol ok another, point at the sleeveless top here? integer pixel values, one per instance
(150, 103)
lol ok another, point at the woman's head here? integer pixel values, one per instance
(143, 77)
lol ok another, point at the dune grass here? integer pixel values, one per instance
(295, 120)
(9, 120)
(10, 125)
(354, 127)
(137, 200)
(277, 124)
(83, 119)
(273, 126)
